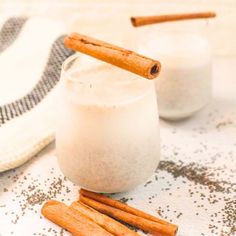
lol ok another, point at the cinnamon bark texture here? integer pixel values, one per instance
(73, 221)
(119, 205)
(147, 225)
(114, 55)
(147, 20)
(109, 224)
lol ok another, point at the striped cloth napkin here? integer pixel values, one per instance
(31, 54)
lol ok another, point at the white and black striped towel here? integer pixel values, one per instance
(31, 54)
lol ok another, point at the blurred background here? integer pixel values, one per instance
(109, 20)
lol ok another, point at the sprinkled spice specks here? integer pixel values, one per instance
(194, 185)
(197, 174)
(30, 193)
(204, 186)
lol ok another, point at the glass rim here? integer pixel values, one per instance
(65, 63)
(67, 77)
(197, 27)
(75, 56)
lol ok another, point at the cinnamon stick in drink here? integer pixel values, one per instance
(139, 222)
(109, 224)
(114, 55)
(76, 223)
(147, 20)
(119, 205)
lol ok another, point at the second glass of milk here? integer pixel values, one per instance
(108, 130)
(184, 85)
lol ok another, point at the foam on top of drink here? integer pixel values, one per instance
(93, 82)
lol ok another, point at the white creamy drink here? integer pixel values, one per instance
(108, 131)
(184, 85)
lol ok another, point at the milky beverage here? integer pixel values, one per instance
(108, 132)
(184, 85)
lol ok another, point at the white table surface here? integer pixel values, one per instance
(195, 186)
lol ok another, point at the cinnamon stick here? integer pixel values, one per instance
(139, 222)
(114, 55)
(147, 20)
(71, 220)
(109, 224)
(119, 205)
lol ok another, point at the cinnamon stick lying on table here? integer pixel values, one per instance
(71, 220)
(147, 20)
(139, 222)
(109, 224)
(119, 205)
(114, 55)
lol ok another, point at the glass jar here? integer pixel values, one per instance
(184, 85)
(107, 135)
